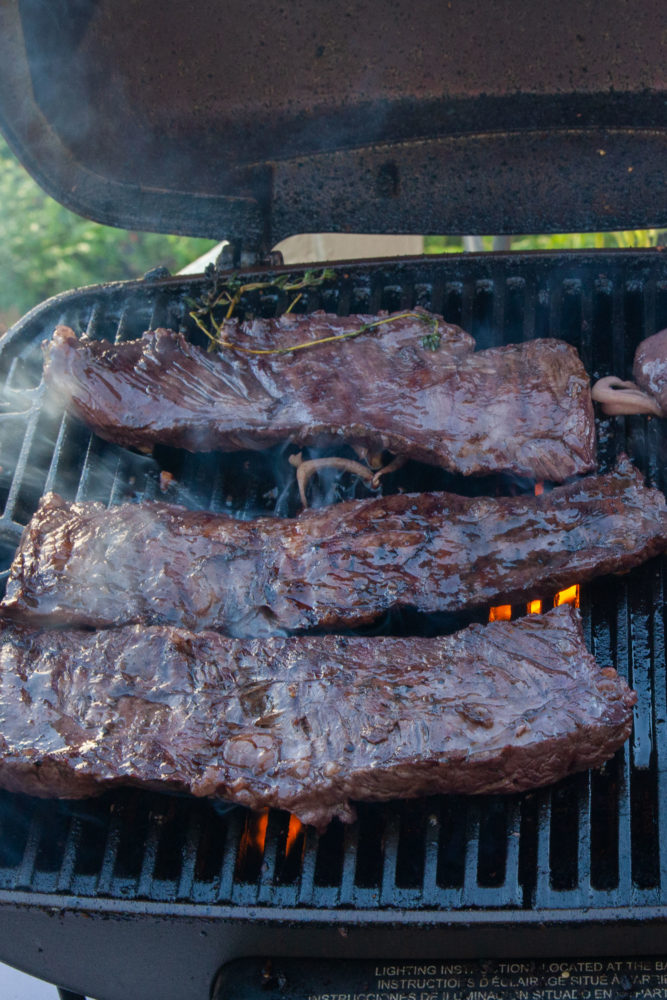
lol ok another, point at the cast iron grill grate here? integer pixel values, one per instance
(593, 841)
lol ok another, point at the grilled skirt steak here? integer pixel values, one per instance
(343, 565)
(524, 408)
(650, 368)
(306, 723)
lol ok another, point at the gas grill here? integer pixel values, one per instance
(140, 894)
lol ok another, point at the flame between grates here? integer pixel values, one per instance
(591, 841)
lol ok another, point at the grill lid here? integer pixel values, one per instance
(253, 122)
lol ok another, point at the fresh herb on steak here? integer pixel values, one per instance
(219, 340)
(226, 296)
(524, 409)
(432, 340)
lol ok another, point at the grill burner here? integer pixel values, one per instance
(433, 876)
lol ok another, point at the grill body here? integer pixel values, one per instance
(440, 877)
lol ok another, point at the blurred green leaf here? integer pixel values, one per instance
(629, 239)
(46, 249)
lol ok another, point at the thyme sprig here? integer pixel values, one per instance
(229, 296)
(431, 341)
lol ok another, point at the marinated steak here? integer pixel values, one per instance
(343, 565)
(306, 723)
(524, 408)
(650, 368)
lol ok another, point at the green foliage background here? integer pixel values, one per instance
(557, 241)
(45, 249)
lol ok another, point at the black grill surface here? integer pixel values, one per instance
(588, 851)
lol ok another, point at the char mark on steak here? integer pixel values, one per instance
(524, 409)
(341, 566)
(306, 723)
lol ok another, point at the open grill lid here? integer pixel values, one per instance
(255, 121)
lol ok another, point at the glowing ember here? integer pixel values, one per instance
(294, 833)
(502, 613)
(254, 835)
(568, 596)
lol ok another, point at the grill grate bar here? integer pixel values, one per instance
(26, 869)
(467, 307)
(94, 319)
(512, 888)
(544, 889)
(390, 893)
(49, 485)
(552, 306)
(470, 886)
(624, 819)
(348, 894)
(148, 858)
(88, 469)
(586, 341)
(66, 871)
(207, 844)
(642, 744)
(22, 461)
(123, 327)
(306, 887)
(327, 863)
(432, 893)
(618, 332)
(107, 867)
(529, 319)
(499, 301)
(583, 839)
(189, 857)
(267, 879)
(230, 887)
(649, 306)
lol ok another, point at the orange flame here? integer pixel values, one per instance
(254, 834)
(535, 607)
(502, 613)
(568, 596)
(294, 832)
(261, 823)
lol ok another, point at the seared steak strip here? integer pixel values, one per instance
(306, 724)
(650, 368)
(84, 564)
(524, 408)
